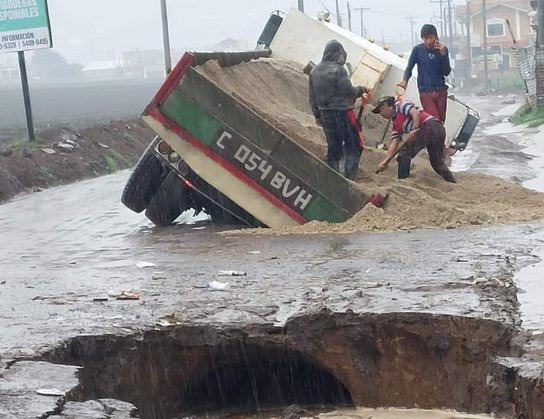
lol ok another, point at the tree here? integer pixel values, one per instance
(49, 64)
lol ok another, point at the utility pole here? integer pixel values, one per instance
(301, 5)
(349, 17)
(450, 21)
(540, 29)
(412, 20)
(484, 21)
(338, 17)
(469, 46)
(165, 38)
(361, 10)
(442, 20)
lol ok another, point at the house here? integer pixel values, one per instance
(143, 63)
(101, 70)
(508, 24)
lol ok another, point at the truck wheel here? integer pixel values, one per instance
(168, 202)
(144, 181)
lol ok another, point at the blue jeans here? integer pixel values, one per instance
(341, 135)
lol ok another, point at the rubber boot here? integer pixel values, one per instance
(448, 177)
(352, 165)
(404, 169)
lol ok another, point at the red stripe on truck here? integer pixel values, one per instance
(185, 135)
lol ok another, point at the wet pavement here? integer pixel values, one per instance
(67, 253)
(66, 247)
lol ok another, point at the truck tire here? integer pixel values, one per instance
(169, 201)
(144, 181)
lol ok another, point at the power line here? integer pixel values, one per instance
(412, 20)
(442, 21)
(338, 17)
(361, 10)
(349, 16)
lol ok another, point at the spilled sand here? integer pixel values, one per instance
(278, 91)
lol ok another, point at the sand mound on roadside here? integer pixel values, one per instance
(278, 91)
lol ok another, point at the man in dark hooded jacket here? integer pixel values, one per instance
(332, 97)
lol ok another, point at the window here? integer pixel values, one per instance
(495, 28)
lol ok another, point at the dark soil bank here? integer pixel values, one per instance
(64, 155)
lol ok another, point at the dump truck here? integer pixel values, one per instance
(214, 153)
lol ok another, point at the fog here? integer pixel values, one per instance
(85, 31)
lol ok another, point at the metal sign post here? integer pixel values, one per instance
(24, 26)
(26, 96)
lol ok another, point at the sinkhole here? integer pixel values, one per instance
(318, 362)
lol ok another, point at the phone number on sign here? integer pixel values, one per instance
(24, 44)
(8, 45)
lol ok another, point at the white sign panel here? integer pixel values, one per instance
(24, 25)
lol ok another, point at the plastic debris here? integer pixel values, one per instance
(231, 273)
(254, 252)
(216, 285)
(100, 299)
(50, 392)
(47, 150)
(128, 295)
(145, 264)
(64, 147)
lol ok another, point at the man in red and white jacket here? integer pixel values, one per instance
(419, 130)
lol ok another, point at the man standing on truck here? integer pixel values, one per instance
(332, 97)
(419, 129)
(433, 66)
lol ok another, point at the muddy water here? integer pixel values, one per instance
(364, 413)
(529, 279)
(514, 153)
(65, 247)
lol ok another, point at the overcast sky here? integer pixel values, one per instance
(86, 30)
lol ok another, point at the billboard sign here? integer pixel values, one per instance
(24, 25)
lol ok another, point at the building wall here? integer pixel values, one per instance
(519, 21)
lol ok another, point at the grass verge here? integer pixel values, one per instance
(527, 115)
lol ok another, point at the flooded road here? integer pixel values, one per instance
(64, 248)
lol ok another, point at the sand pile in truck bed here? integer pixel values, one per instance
(278, 91)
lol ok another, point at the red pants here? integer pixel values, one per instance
(435, 103)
